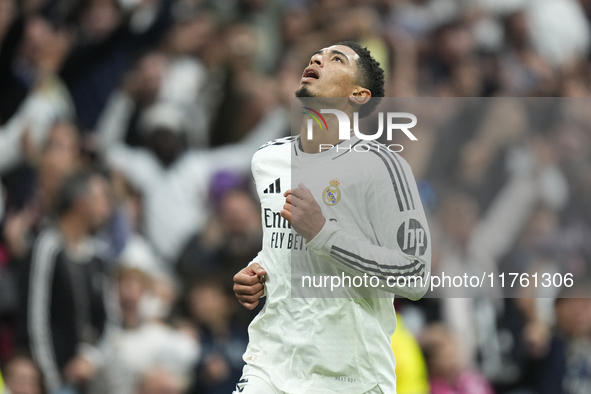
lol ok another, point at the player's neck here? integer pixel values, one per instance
(319, 137)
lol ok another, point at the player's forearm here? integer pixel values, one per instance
(355, 255)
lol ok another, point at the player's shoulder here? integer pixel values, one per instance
(278, 142)
(386, 154)
(273, 152)
(371, 158)
(277, 147)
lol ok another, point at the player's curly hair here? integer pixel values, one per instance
(370, 75)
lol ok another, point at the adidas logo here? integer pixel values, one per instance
(274, 187)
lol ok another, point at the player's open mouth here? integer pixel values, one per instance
(310, 73)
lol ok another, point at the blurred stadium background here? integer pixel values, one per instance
(126, 131)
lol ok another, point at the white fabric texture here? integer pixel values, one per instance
(131, 353)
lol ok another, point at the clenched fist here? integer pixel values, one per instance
(303, 212)
(249, 285)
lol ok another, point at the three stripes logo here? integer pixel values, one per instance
(274, 187)
(397, 176)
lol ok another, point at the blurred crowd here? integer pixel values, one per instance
(126, 203)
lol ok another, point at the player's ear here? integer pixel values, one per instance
(360, 96)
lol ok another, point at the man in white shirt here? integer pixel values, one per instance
(174, 181)
(354, 214)
(140, 343)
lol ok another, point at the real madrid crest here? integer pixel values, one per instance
(332, 194)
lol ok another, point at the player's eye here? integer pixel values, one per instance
(338, 58)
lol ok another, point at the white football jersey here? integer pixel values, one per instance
(317, 340)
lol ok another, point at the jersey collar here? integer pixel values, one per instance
(326, 154)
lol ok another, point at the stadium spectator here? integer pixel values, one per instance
(566, 368)
(448, 372)
(411, 370)
(160, 381)
(231, 240)
(22, 376)
(109, 36)
(141, 343)
(173, 180)
(67, 285)
(31, 205)
(212, 309)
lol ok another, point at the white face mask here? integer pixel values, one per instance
(153, 308)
